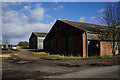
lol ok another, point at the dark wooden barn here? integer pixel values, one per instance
(36, 40)
(73, 38)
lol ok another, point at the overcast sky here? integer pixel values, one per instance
(19, 19)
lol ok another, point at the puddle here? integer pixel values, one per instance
(69, 65)
(22, 62)
(18, 61)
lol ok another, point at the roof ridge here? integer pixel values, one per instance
(82, 22)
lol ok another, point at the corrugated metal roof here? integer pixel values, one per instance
(88, 27)
(39, 34)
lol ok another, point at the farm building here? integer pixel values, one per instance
(76, 39)
(36, 40)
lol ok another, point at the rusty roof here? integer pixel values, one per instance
(39, 34)
(88, 27)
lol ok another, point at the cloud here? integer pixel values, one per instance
(20, 27)
(58, 7)
(101, 10)
(27, 8)
(82, 19)
(7, 4)
(50, 17)
(92, 18)
(17, 25)
(37, 13)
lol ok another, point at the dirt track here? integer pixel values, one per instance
(39, 68)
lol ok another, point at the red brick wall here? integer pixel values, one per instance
(105, 48)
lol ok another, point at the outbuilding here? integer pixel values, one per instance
(73, 38)
(36, 40)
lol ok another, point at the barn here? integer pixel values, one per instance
(71, 38)
(36, 40)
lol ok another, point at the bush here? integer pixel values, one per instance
(24, 44)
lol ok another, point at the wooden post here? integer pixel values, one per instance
(84, 45)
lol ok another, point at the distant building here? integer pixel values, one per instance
(36, 40)
(73, 38)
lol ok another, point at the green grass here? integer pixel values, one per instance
(47, 56)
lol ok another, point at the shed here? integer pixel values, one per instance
(73, 38)
(36, 40)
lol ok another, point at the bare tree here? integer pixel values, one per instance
(111, 17)
(5, 39)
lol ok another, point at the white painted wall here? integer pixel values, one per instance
(40, 42)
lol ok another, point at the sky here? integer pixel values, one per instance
(20, 19)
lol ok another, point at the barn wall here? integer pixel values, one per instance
(64, 45)
(70, 45)
(78, 45)
(33, 42)
(55, 45)
(46, 45)
(74, 45)
(64, 39)
(59, 45)
(52, 45)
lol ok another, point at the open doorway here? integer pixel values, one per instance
(93, 48)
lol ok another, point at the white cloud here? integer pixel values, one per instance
(27, 8)
(37, 14)
(101, 10)
(50, 17)
(7, 4)
(17, 25)
(58, 7)
(92, 18)
(82, 19)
